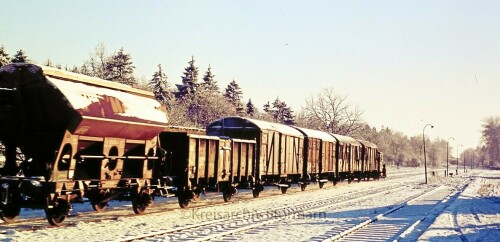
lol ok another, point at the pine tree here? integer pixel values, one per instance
(4, 57)
(250, 108)
(119, 68)
(267, 108)
(233, 93)
(209, 84)
(280, 112)
(189, 84)
(20, 57)
(159, 85)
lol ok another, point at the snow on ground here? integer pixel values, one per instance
(474, 215)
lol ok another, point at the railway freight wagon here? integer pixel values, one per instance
(79, 136)
(370, 159)
(195, 162)
(319, 157)
(348, 158)
(279, 149)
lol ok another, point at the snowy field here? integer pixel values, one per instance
(465, 208)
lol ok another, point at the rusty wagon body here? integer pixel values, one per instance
(79, 136)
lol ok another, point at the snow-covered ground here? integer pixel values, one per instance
(472, 215)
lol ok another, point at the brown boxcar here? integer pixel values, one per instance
(348, 158)
(243, 162)
(198, 162)
(80, 137)
(319, 157)
(370, 160)
(278, 152)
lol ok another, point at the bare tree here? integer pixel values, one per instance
(330, 112)
(491, 138)
(96, 65)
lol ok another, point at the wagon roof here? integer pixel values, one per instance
(345, 139)
(367, 143)
(316, 134)
(70, 76)
(260, 124)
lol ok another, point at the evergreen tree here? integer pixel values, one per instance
(233, 93)
(250, 108)
(4, 57)
(189, 84)
(209, 84)
(280, 112)
(267, 108)
(159, 85)
(119, 68)
(20, 57)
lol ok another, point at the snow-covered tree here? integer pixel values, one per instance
(4, 57)
(119, 68)
(20, 57)
(159, 85)
(189, 84)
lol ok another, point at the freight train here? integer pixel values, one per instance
(68, 138)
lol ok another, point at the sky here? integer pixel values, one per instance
(404, 63)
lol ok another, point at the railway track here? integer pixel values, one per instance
(150, 232)
(227, 226)
(382, 226)
(123, 209)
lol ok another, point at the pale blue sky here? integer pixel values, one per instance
(405, 63)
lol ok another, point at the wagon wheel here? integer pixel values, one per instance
(255, 192)
(321, 184)
(100, 206)
(183, 201)
(141, 202)
(10, 212)
(58, 213)
(228, 192)
(228, 196)
(303, 187)
(283, 190)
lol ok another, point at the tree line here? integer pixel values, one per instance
(198, 100)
